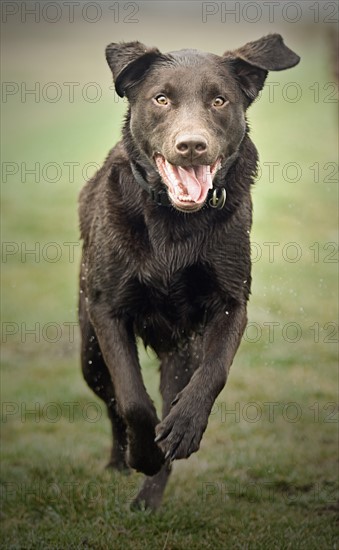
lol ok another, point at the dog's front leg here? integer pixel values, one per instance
(118, 347)
(180, 433)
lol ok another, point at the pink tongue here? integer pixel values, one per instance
(197, 181)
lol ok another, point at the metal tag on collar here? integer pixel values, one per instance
(216, 201)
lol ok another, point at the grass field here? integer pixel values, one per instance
(266, 474)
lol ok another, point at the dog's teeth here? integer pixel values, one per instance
(185, 198)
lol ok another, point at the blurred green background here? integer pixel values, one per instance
(265, 476)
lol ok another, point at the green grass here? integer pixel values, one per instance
(266, 474)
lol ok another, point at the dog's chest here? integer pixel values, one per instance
(165, 281)
(171, 306)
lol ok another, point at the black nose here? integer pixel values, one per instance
(191, 145)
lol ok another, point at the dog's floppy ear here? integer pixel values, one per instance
(129, 61)
(252, 62)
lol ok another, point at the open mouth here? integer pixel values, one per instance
(187, 186)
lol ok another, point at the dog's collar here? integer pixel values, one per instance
(160, 197)
(216, 197)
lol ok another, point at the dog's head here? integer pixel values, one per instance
(188, 107)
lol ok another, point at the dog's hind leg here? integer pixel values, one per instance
(98, 378)
(176, 370)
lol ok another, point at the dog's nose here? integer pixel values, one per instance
(191, 145)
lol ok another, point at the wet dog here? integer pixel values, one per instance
(166, 226)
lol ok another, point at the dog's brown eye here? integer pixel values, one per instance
(219, 101)
(161, 99)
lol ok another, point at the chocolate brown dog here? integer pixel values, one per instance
(165, 225)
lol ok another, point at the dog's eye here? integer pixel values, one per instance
(161, 99)
(219, 101)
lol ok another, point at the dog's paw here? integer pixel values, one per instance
(180, 433)
(143, 454)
